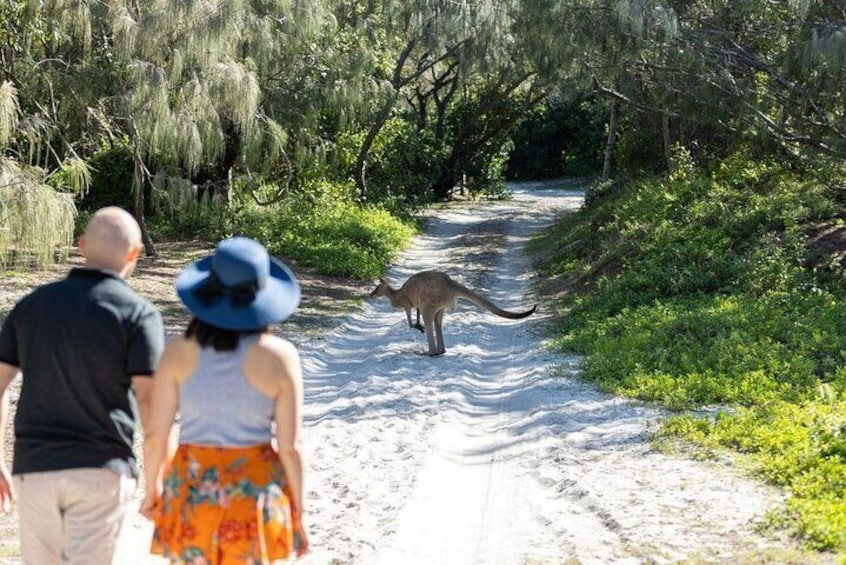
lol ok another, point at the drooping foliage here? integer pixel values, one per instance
(408, 99)
(204, 88)
(36, 220)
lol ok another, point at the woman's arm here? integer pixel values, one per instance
(289, 408)
(173, 368)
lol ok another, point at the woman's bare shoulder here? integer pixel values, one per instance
(275, 356)
(181, 344)
(179, 358)
(277, 346)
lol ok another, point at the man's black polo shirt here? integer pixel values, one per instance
(77, 342)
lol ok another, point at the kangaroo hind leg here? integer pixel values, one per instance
(440, 348)
(428, 322)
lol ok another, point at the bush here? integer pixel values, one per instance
(341, 238)
(696, 290)
(801, 446)
(321, 228)
(706, 350)
(111, 179)
(402, 166)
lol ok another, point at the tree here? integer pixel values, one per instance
(220, 89)
(36, 220)
(45, 90)
(780, 64)
(442, 40)
(480, 124)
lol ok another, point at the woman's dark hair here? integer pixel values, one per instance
(218, 338)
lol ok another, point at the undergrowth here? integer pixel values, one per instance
(697, 290)
(325, 229)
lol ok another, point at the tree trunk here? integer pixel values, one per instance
(138, 193)
(367, 144)
(397, 82)
(149, 248)
(229, 160)
(448, 178)
(420, 108)
(215, 180)
(444, 185)
(611, 142)
(441, 103)
(668, 149)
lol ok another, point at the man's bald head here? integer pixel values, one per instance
(112, 240)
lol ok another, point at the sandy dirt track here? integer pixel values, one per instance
(493, 453)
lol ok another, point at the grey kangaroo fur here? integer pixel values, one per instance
(431, 293)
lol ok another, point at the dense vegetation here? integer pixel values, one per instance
(706, 268)
(165, 106)
(322, 229)
(713, 288)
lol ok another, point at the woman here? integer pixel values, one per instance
(228, 495)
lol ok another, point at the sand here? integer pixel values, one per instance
(494, 453)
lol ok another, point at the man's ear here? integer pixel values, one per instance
(132, 254)
(81, 244)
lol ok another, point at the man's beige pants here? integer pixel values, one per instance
(72, 517)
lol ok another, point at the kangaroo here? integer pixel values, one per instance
(431, 293)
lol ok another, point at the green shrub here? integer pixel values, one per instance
(800, 446)
(402, 165)
(111, 180)
(695, 290)
(321, 228)
(341, 238)
(715, 349)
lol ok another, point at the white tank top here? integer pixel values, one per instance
(218, 405)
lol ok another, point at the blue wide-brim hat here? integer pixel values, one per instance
(239, 287)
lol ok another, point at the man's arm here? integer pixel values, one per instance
(145, 349)
(288, 415)
(143, 385)
(7, 375)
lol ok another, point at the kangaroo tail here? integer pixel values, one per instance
(478, 299)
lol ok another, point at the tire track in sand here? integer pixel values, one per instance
(493, 453)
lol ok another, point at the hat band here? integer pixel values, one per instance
(213, 291)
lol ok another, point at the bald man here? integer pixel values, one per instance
(86, 347)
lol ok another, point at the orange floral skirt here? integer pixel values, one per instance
(225, 505)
